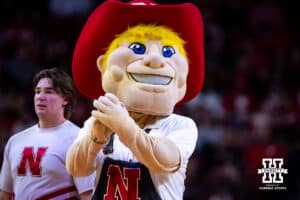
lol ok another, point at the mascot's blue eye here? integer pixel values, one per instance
(137, 48)
(168, 51)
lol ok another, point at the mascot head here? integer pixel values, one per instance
(149, 55)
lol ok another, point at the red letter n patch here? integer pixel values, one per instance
(34, 161)
(124, 185)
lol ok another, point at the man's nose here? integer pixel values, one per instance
(153, 57)
(41, 96)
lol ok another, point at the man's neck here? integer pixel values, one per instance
(50, 123)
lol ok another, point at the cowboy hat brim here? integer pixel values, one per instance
(113, 17)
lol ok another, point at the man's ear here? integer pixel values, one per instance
(100, 64)
(66, 102)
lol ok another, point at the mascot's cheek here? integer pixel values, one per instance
(112, 78)
(181, 68)
(117, 72)
(181, 81)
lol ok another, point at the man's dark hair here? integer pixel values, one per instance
(62, 83)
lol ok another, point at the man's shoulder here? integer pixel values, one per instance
(71, 125)
(70, 130)
(22, 133)
(25, 131)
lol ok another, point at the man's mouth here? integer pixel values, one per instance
(41, 106)
(151, 79)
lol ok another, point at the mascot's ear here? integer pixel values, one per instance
(100, 64)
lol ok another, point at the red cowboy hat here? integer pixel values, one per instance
(113, 17)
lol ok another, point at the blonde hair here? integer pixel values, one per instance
(140, 33)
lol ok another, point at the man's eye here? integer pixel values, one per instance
(168, 51)
(50, 91)
(137, 48)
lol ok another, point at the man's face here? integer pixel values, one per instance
(149, 78)
(48, 104)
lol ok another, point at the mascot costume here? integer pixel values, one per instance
(138, 60)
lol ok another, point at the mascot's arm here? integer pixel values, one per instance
(82, 153)
(159, 154)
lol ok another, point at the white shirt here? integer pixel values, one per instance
(34, 164)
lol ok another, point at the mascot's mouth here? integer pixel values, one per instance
(151, 79)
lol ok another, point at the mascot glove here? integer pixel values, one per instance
(112, 113)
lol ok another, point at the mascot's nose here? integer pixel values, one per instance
(154, 61)
(153, 58)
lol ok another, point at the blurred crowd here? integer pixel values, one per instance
(249, 107)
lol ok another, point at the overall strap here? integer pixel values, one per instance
(109, 148)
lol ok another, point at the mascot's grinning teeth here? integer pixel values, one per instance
(151, 79)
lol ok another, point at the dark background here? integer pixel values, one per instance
(248, 109)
